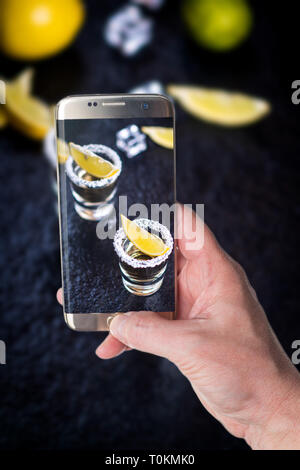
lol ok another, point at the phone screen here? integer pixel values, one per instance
(116, 188)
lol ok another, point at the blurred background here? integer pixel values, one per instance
(55, 393)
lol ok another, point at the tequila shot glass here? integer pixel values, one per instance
(93, 197)
(142, 274)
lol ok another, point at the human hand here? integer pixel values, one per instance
(223, 343)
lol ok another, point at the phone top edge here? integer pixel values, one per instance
(114, 106)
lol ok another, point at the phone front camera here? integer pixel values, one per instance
(95, 103)
(89, 104)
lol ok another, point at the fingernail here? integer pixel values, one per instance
(117, 323)
(98, 350)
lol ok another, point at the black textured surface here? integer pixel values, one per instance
(92, 273)
(55, 393)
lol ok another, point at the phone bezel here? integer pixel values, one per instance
(111, 107)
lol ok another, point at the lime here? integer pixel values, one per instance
(219, 25)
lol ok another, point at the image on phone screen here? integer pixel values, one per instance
(116, 188)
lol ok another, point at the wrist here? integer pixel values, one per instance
(279, 428)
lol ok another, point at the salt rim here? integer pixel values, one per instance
(101, 149)
(144, 223)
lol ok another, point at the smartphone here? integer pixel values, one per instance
(116, 197)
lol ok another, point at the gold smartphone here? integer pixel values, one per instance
(116, 181)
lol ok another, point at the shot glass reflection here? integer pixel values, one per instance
(93, 197)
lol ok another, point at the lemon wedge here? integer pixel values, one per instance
(143, 240)
(26, 113)
(24, 84)
(92, 163)
(220, 107)
(62, 151)
(3, 118)
(160, 135)
(24, 81)
(53, 115)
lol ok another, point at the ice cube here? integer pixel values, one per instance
(153, 86)
(128, 30)
(131, 141)
(152, 4)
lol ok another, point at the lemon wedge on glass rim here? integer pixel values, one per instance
(218, 106)
(143, 240)
(160, 135)
(91, 162)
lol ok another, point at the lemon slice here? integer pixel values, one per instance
(92, 163)
(3, 118)
(160, 135)
(143, 240)
(24, 84)
(26, 113)
(24, 81)
(62, 151)
(53, 115)
(220, 107)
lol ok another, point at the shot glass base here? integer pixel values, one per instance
(140, 288)
(94, 213)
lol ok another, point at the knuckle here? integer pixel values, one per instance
(239, 269)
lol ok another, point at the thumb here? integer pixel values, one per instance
(149, 332)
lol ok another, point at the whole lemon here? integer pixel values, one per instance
(34, 29)
(219, 25)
